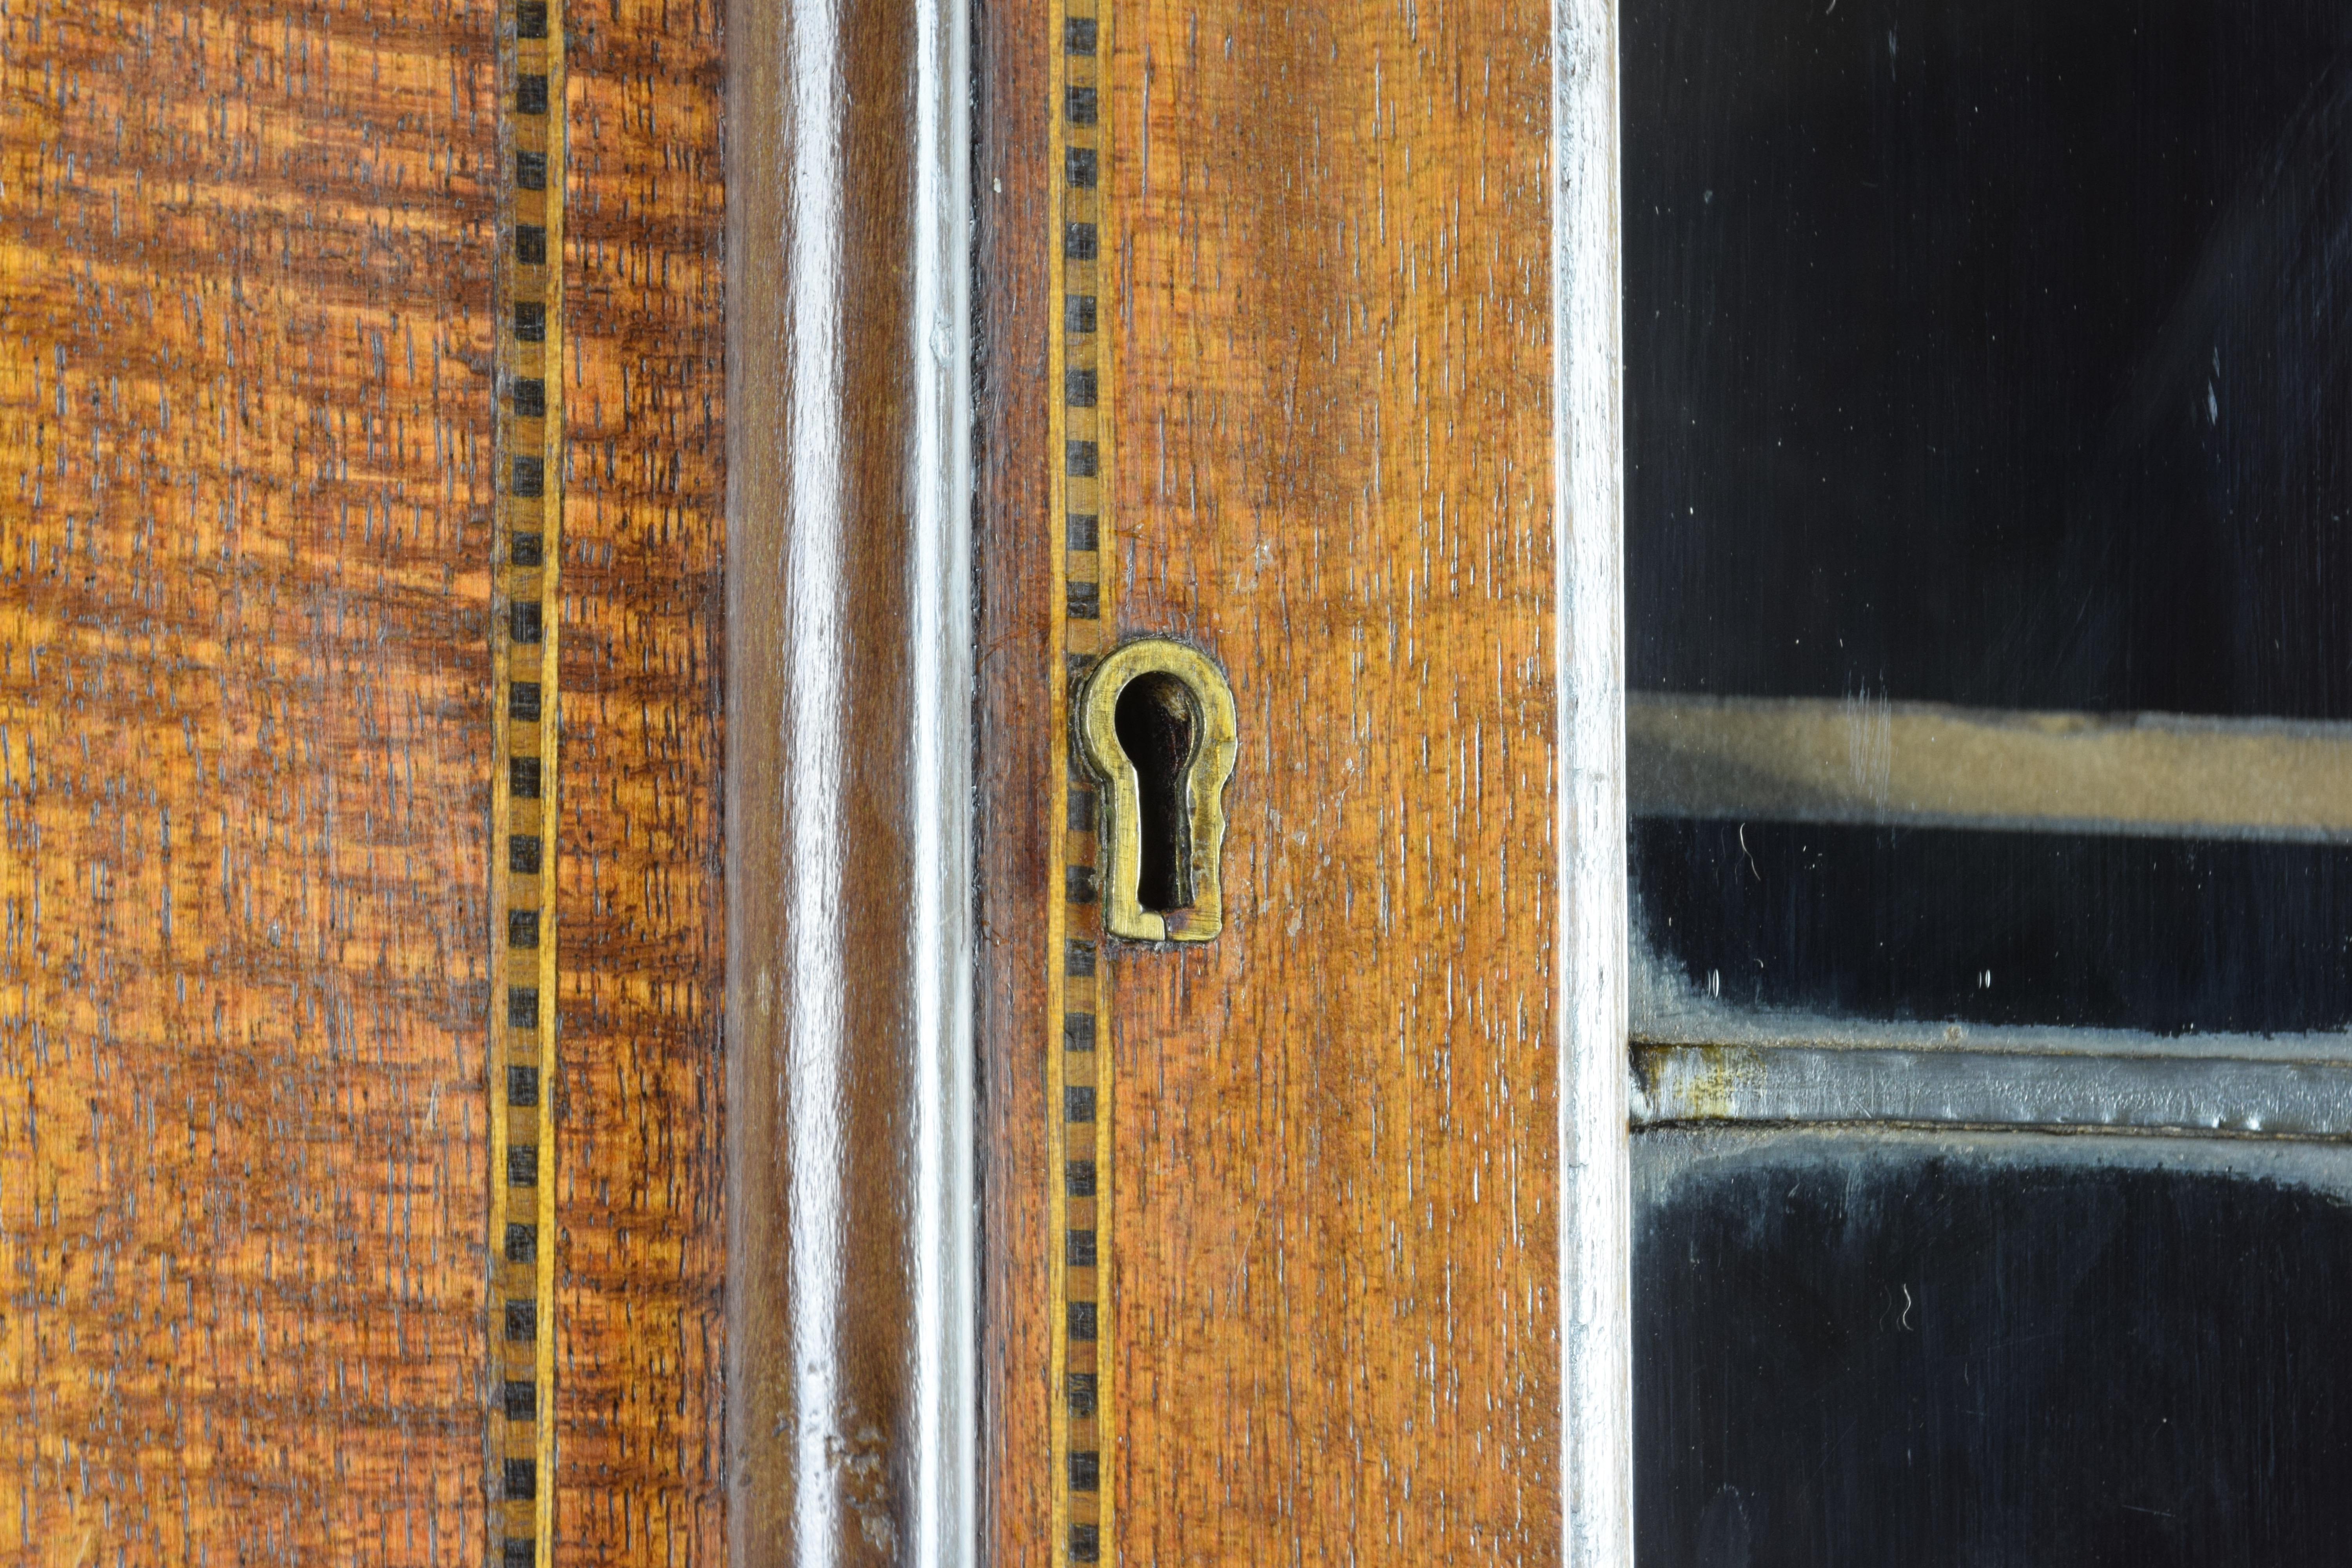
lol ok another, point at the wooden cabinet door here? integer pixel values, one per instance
(1293, 342)
(558, 1003)
(268, 289)
(1298, 280)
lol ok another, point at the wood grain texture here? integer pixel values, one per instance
(244, 341)
(245, 753)
(1336, 1255)
(641, 1126)
(245, 417)
(1015, 535)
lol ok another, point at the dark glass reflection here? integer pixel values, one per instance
(1994, 353)
(1991, 351)
(1881, 1352)
(2003, 927)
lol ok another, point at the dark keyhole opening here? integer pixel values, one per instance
(1159, 725)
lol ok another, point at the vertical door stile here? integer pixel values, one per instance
(1595, 1209)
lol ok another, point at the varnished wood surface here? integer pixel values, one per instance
(1334, 1259)
(842, 1392)
(245, 748)
(1015, 533)
(244, 528)
(243, 343)
(640, 1106)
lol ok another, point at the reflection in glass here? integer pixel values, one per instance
(1989, 578)
(1885, 1350)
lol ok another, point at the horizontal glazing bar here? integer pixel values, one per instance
(1865, 759)
(1991, 1089)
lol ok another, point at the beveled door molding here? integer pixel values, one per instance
(849, 1107)
(1587, 476)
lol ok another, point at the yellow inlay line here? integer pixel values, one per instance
(526, 546)
(1078, 1044)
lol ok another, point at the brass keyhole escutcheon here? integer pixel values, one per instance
(1156, 723)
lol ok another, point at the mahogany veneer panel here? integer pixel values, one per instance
(244, 411)
(244, 746)
(1015, 535)
(1335, 1252)
(1333, 1249)
(640, 914)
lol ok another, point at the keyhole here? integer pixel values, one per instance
(1158, 723)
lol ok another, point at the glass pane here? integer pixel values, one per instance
(1885, 1350)
(1989, 582)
